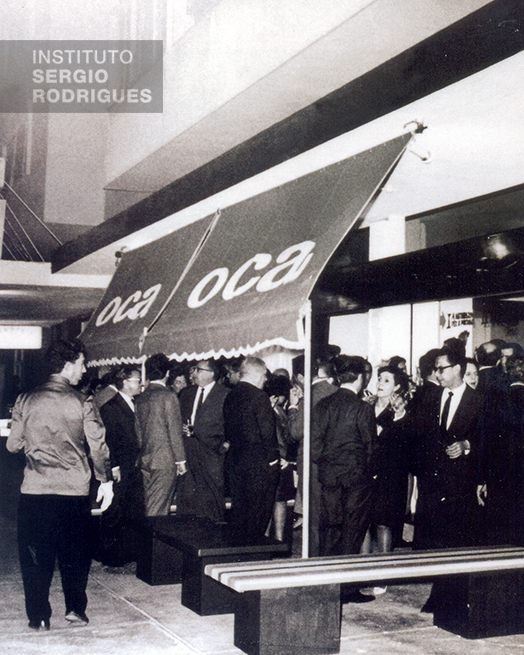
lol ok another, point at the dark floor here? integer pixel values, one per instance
(129, 617)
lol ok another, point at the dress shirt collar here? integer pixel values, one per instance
(205, 390)
(455, 401)
(128, 400)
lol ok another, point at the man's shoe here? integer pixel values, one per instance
(77, 619)
(40, 625)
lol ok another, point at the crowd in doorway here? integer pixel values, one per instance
(431, 460)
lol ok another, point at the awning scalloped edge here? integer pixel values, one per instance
(209, 354)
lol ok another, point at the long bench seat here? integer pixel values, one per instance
(294, 606)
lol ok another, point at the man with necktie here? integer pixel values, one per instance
(446, 461)
(201, 491)
(118, 415)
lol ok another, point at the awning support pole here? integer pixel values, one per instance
(307, 429)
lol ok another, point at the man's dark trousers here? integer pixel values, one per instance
(51, 527)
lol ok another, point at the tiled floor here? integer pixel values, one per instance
(129, 617)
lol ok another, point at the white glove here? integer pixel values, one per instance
(105, 494)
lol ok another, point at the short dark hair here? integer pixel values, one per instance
(456, 344)
(470, 360)
(426, 363)
(125, 373)
(348, 368)
(278, 385)
(62, 352)
(177, 370)
(454, 358)
(157, 366)
(486, 357)
(233, 364)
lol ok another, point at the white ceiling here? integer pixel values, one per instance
(473, 137)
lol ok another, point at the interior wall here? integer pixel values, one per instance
(390, 334)
(425, 329)
(350, 333)
(75, 184)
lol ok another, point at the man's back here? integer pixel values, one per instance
(159, 427)
(250, 423)
(51, 424)
(344, 438)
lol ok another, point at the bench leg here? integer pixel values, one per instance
(158, 563)
(292, 621)
(202, 594)
(482, 605)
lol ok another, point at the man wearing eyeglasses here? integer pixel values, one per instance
(448, 433)
(201, 491)
(447, 461)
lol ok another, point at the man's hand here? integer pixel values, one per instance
(105, 495)
(187, 429)
(457, 449)
(181, 468)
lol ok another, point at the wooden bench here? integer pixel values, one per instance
(177, 549)
(294, 606)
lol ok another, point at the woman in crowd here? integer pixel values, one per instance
(178, 378)
(392, 465)
(471, 376)
(277, 388)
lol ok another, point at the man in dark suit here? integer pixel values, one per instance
(343, 445)
(159, 429)
(201, 491)
(446, 465)
(118, 415)
(496, 457)
(447, 459)
(250, 428)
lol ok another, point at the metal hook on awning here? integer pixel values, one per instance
(426, 156)
(419, 126)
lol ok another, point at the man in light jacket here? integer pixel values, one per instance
(54, 424)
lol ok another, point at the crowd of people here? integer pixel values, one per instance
(192, 435)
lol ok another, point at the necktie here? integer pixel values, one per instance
(201, 399)
(445, 412)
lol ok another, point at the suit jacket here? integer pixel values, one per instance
(250, 426)
(344, 439)
(106, 393)
(119, 420)
(209, 419)
(445, 476)
(159, 428)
